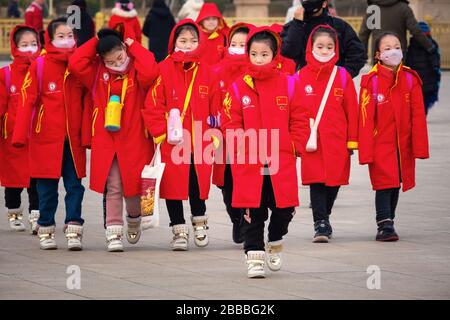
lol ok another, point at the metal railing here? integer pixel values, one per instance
(440, 31)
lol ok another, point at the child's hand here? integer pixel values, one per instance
(129, 42)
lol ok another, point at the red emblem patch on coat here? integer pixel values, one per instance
(282, 100)
(338, 92)
(203, 89)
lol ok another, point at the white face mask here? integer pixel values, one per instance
(236, 50)
(392, 57)
(182, 50)
(31, 49)
(321, 58)
(64, 43)
(123, 67)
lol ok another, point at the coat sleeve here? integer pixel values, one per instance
(419, 122)
(232, 121)
(355, 52)
(3, 95)
(137, 30)
(155, 110)
(351, 112)
(294, 40)
(413, 28)
(30, 95)
(145, 64)
(298, 122)
(146, 26)
(86, 124)
(84, 63)
(366, 128)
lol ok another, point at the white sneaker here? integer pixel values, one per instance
(133, 229)
(74, 235)
(255, 264)
(114, 236)
(15, 217)
(180, 237)
(34, 217)
(47, 238)
(200, 226)
(273, 256)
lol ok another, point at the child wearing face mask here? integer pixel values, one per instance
(118, 71)
(327, 167)
(14, 169)
(189, 89)
(49, 122)
(215, 30)
(392, 129)
(233, 64)
(264, 100)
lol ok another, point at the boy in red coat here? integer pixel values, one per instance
(262, 102)
(113, 69)
(49, 120)
(191, 88)
(215, 30)
(234, 64)
(392, 129)
(328, 167)
(125, 13)
(14, 170)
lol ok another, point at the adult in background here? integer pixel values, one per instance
(157, 27)
(352, 54)
(13, 9)
(395, 16)
(190, 10)
(87, 30)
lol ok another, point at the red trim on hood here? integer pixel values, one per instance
(14, 51)
(211, 10)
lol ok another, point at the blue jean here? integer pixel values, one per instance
(48, 194)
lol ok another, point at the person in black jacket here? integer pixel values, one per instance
(13, 9)
(427, 64)
(157, 27)
(87, 30)
(295, 35)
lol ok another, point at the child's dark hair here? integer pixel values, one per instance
(54, 24)
(266, 37)
(327, 31)
(377, 43)
(21, 32)
(186, 27)
(108, 40)
(244, 30)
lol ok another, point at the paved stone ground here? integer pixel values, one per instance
(417, 267)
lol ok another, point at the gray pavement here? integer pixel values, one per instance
(416, 267)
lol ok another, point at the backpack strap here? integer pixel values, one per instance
(375, 88)
(343, 74)
(7, 71)
(409, 80)
(291, 85)
(236, 90)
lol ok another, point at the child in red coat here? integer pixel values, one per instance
(125, 13)
(124, 71)
(392, 129)
(263, 162)
(215, 30)
(14, 169)
(328, 167)
(233, 64)
(189, 88)
(49, 121)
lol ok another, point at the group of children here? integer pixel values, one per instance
(57, 103)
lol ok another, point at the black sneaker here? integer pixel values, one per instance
(386, 231)
(323, 231)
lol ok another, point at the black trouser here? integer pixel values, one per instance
(13, 199)
(227, 193)
(386, 202)
(254, 219)
(322, 200)
(198, 206)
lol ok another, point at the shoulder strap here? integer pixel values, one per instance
(291, 85)
(343, 74)
(189, 94)
(40, 71)
(409, 80)
(7, 72)
(375, 88)
(325, 97)
(236, 91)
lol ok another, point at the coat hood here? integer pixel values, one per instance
(195, 54)
(311, 61)
(18, 56)
(237, 26)
(124, 14)
(211, 10)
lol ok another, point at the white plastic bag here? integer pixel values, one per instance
(150, 180)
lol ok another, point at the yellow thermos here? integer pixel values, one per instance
(113, 114)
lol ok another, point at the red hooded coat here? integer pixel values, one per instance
(260, 100)
(392, 127)
(129, 19)
(131, 143)
(54, 114)
(216, 42)
(338, 128)
(14, 167)
(169, 92)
